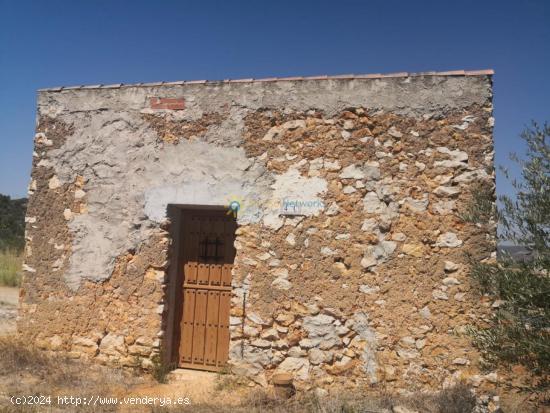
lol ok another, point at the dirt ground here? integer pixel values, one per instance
(8, 309)
(197, 386)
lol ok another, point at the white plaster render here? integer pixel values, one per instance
(131, 179)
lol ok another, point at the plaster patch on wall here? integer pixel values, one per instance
(208, 175)
(291, 187)
(130, 180)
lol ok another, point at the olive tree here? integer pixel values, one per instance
(519, 332)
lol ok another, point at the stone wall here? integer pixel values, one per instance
(367, 282)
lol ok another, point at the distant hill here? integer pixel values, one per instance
(12, 222)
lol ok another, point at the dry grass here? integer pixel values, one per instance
(227, 382)
(458, 399)
(18, 358)
(27, 371)
(261, 401)
(10, 268)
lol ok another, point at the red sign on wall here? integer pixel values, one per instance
(168, 103)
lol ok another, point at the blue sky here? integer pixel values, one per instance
(52, 43)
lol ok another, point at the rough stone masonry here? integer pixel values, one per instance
(364, 281)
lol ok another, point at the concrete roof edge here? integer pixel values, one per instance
(483, 72)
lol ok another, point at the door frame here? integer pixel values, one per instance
(178, 215)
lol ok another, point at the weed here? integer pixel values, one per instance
(10, 268)
(456, 399)
(161, 368)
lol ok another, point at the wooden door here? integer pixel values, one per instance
(208, 254)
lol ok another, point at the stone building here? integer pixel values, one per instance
(310, 225)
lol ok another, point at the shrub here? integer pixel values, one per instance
(12, 222)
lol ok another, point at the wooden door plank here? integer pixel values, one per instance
(187, 326)
(223, 329)
(200, 367)
(192, 236)
(208, 287)
(199, 326)
(190, 272)
(215, 274)
(204, 237)
(203, 273)
(229, 238)
(207, 249)
(212, 314)
(226, 275)
(206, 225)
(219, 226)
